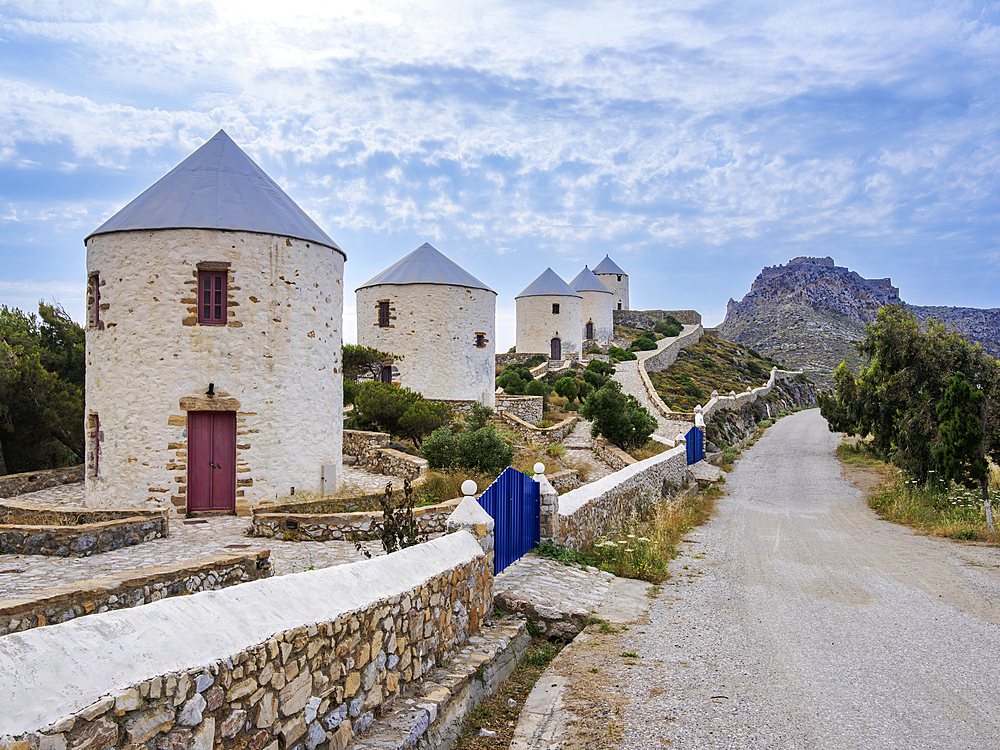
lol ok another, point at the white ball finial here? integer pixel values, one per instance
(539, 468)
(469, 488)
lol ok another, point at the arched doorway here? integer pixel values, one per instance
(555, 349)
(589, 333)
(385, 375)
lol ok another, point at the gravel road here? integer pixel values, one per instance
(798, 619)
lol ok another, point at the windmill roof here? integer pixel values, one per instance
(217, 187)
(585, 281)
(608, 266)
(426, 265)
(548, 285)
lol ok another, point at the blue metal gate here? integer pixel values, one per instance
(512, 502)
(695, 445)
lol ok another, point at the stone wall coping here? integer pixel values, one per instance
(568, 422)
(731, 402)
(617, 452)
(573, 500)
(49, 672)
(118, 514)
(269, 513)
(26, 482)
(154, 574)
(367, 433)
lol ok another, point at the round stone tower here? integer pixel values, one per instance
(549, 318)
(215, 307)
(440, 318)
(598, 315)
(614, 279)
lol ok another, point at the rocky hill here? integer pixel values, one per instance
(809, 312)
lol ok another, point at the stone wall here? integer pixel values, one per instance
(538, 435)
(434, 327)
(275, 363)
(511, 358)
(598, 509)
(374, 454)
(27, 529)
(737, 400)
(611, 454)
(323, 527)
(526, 408)
(565, 480)
(646, 319)
(666, 356)
(12, 485)
(304, 660)
(131, 588)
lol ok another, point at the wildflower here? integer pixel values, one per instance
(643, 539)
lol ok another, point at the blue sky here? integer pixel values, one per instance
(696, 142)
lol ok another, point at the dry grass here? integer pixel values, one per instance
(650, 449)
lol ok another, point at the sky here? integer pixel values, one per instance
(694, 142)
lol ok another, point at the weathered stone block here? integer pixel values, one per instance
(233, 723)
(94, 735)
(295, 694)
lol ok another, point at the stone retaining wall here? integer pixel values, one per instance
(526, 408)
(374, 454)
(611, 454)
(512, 358)
(646, 319)
(108, 529)
(12, 485)
(130, 589)
(666, 356)
(538, 435)
(300, 661)
(737, 400)
(598, 509)
(565, 480)
(324, 527)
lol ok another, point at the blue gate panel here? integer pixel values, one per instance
(512, 503)
(695, 440)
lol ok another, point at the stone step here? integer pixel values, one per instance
(429, 714)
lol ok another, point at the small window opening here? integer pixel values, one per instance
(94, 301)
(481, 340)
(555, 308)
(619, 305)
(383, 315)
(619, 277)
(212, 297)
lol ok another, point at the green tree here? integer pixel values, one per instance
(960, 452)
(41, 389)
(398, 411)
(618, 416)
(364, 362)
(567, 387)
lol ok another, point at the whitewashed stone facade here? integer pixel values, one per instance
(276, 363)
(616, 280)
(445, 333)
(537, 325)
(598, 304)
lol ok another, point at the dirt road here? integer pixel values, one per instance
(798, 619)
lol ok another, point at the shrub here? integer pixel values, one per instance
(511, 382)
(617, 354)
(568, 387)
(593, 350)
(585, 390)
(618, 417)
(601, 368)
(439, 448)
(536, 388)
(350, 391)
(478, 416)
(483, 450)
(594, 380)
(642, 344)
(398, 411)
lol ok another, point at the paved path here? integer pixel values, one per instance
(21, 575)
(797, 619)
(580, 454)
(627, 373)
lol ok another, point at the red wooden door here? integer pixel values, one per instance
(211, 461)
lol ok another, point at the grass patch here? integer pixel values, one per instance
(645, 544)
(951, 512)
(495, 712)
(650, 449)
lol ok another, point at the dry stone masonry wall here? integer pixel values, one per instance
(27, 529)
(130, 589)
(12, 485)
(646, 319)
(306, 660)
(526, 408)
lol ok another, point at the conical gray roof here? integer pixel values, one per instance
(585, 281)
(608, 266)
(426, 265)
(548, 285)
(217, 187)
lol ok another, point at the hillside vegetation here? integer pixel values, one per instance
(713, 364)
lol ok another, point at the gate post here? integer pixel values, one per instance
(548, 506)
(471, 516)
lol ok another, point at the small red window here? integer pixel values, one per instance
(212, 294)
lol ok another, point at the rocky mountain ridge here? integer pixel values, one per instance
(809, 312)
